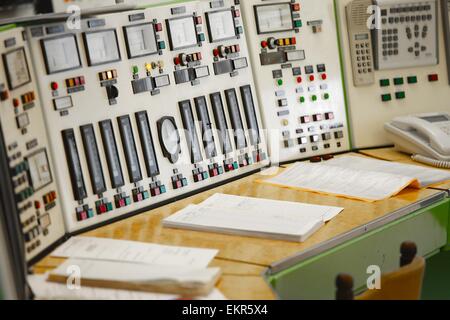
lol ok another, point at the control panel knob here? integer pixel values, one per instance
(222, 51)
(112, 92)
(272, 42)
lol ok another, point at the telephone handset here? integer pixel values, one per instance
(426, 136)
(360, 40)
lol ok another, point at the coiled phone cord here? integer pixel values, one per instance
(431, 162)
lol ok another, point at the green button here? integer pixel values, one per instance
(109, 206)
(400, 95)
(90, 213)
(298, 23)
(398, 81)
(161, 45)
(127, 201)
(239, 30)
(201, 37)
(280, 82)
(162, 189)
(205, 175)
(412, 79)
(145, 195)
(184, 182)
(326, 96)
(385, 83)
(386, 97)
(314, 98)
(220, 170)
(235, 165)
(302, 99)
(135, 70)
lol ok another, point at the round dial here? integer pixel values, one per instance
(169, 138)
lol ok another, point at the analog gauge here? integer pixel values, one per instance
(169, 138)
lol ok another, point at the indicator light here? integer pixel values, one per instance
(280, 82)
(54, 86)
(324, 76)
(311, 78)
(299, 79)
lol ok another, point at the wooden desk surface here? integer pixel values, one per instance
(243, 259)
(391, 154)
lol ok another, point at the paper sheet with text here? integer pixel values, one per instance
(133, 251)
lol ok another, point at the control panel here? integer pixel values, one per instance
(147, 106)
(297, 71)
(402, 68)
(27, 147)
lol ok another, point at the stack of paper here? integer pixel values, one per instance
(44, 290)
(129, 265)
(357, 177)
(185, 281)
(282, 220)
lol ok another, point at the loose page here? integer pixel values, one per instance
(133, 251)
(341, 181)
(425, 176)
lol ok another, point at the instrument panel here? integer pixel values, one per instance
(297, 71)
(27, 147)
(147, 106)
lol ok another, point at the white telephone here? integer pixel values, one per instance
(426, 136)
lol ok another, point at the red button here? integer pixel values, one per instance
(296, 7)
(122, 203)
(16, 102)
(158, 27)
(199, 20)
(54, 85)
(311, 78)
(177, 60)
(237, 13)
(324, 76)
(37, 204)
(299, 79)
(82, 82)
(237, 48)
(199, 56)
(433, 77)
(216, 52)
(294, 40)
(264, 44)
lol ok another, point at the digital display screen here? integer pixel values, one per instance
(438, 118)
(182, 33)
(205, 122)
(93, 159)
(362, 36)
(39, 170)
(220, 25)
(126, 133)
(191, 133)
(250, 114)
(147, 144)
(272, 18)
(112, 155)
(61, 53)
(236, 120)
(101, 47)
(73, 161)
(141, 40)
(221, 122)
(16, 67)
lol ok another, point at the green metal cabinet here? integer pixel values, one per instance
(314, 277)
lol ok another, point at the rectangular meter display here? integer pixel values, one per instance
(16, 67)
(182, 33)
(271, 18)
(101, 47)
(220, 25)
(140, 40)
(61, 53)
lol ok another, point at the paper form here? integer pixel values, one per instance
(137, 273)
(264, 218)
(425, 176)
(133, 251)
(341, 181)
(44, 290)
